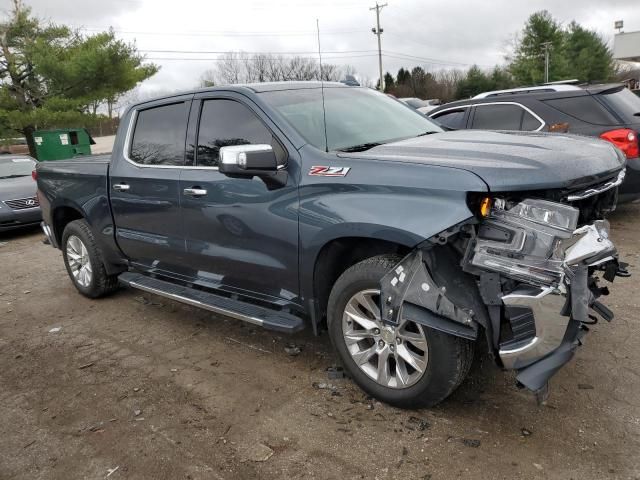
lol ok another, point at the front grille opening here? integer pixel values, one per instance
(22, 203)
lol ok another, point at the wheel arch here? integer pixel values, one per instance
(61, 217)
(65, 213)
(335, 257)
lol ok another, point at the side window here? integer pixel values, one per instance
(451, 118)
(224, 123)
(530, 123)
(585, 108)
(159, 135)
(497, 117)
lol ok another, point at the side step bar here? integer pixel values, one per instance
(257, 315)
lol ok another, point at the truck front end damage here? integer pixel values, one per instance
(536, 284)
(546, 282)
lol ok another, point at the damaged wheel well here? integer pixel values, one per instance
(340, 254)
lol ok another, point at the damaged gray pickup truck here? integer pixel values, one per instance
(299, 204)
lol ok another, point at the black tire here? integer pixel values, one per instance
(449, 357)
(100, 284)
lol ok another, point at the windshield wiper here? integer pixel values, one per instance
(15, 176)
(428, 132)
(360, 148)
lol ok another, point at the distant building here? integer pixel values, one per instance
(626, 48)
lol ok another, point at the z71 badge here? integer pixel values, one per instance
(329, 171)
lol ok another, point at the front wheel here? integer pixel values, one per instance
(409, 365)
(83, 261)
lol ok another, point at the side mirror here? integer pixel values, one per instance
(248, 160)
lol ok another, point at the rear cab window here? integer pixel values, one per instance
(159, 135)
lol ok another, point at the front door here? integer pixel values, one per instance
(239, 234)
(144, 183)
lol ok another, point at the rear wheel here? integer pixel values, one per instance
(83, 261)
(409, 365)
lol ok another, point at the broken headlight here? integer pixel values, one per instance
(524, 242)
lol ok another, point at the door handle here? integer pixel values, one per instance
(121, 187)
(195, 192)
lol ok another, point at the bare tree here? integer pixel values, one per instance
(238, 67)
(446, 84)
(229, 69)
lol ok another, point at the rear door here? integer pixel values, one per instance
(144, 184)
(240, 235)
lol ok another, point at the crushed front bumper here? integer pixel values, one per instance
(551, 308)
(529, 278)
(548, 268)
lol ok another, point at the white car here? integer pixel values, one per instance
(423, 106)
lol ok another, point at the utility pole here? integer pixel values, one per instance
(547, 49)
(378, 31)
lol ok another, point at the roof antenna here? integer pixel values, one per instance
(324, 113)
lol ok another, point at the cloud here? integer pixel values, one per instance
(450, 34)
(86, 12)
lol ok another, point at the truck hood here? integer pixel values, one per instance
(19, 187)
(509, 161)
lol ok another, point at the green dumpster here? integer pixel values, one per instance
(61, 144)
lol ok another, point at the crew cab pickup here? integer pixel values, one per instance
(322, 206)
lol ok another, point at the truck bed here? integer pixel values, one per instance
(79, 184)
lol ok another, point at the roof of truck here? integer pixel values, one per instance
(274, 86)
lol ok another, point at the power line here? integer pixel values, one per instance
(243, 52)
(406, 56)
(219, 59)
(277, 34)
(347, 54)
(222, 33)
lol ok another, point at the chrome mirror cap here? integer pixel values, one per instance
(237, 154)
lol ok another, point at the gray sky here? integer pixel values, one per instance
(433, 34)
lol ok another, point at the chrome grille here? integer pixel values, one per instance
(22, 203)
(597, 190)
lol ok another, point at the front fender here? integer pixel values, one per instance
(401, 203)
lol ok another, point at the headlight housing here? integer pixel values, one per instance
(525, 242)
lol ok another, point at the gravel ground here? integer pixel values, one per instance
(136, 386)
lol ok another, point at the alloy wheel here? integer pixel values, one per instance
(79, 261)
(394, 357)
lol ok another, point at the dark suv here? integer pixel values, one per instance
(610, 112)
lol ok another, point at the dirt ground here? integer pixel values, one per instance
(135, 386)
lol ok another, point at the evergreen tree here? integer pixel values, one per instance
(528, 63)
(53, 76)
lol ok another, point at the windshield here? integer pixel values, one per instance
(355, 117)
(16, 167)
(625, 104)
